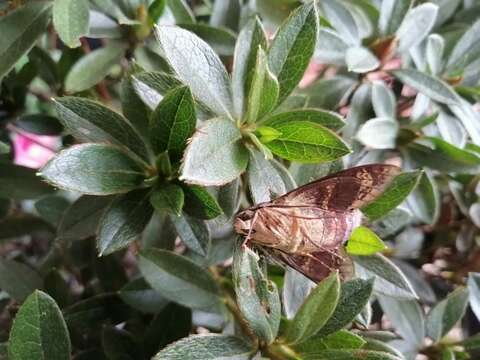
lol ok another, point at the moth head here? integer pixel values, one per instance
(243, 222)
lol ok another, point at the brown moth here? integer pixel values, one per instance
(307, 227)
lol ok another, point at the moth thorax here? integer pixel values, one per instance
(243, 222)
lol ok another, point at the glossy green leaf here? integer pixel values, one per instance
(424, 201)
(445, 314)
(17, 279)
(39, 124)
(389, 279)
(215, 155)
(342, 339)
(305, 141)
(221, 40)
(396, 192)
(392, 13)
(378, 133)
(428, 85)
(93, 68)
(156, 9)
(264, 90)
(51, 208)
(206, 347)
(354, 295)
(440, 155)
(197, 65)
(361, 60)
(407, 316)
(81, 219)
(140, 296)
(123, 221)
(318, 307)
(181, 11)
(328, 119)
(71, 19)
(20, 30)
(168, 197)
(173, 123)
(91, 121)
(416, 25)
(200, 203)
(292, 48)
(193, 232)
(251, 38)
(94, 169)
(364, 241)
(179, 279)
(264, 181)
(353, 354)
(150, 87)
(21, 183)
(39, 331)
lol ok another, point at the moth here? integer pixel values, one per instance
(307, 227)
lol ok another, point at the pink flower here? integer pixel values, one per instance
(34, 150)
(311, 74)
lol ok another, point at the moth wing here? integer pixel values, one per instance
(318, 265)
(345, 190)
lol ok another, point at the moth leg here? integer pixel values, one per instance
(250, 231)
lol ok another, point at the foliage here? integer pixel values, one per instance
(165, 117)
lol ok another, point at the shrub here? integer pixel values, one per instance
(132, 132)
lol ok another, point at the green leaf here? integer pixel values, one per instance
(407, 317)
(306, 141)
(93, 68)
(329, 119)
(257, 296)
(140, 296)
(156, 10)
(152, 86)
(342, 339)
(120, 344)
(428, 85)
(424, 201)
(383, 100)
(181, 11)
(226, 14)
(361, 60)
(416, 25)
(4, 148)
(17, 279)
(179, 279)
(443, 156)
(473, 283)
(197, 65)
(292, 48)
(124, 221)
(173, 123)
(221, 40)
(392, 13)
(90, 121)
(378, 133)
(168, 197)
(339, 16)
(81, 219)
(173, 323)
(264, 181)
(51, 208)
(206, 347)
(20, 30)
(71, 19)
(251, 38)
(39, 124)
(193, 232)
(39, 331)
(389, 279)
(200, 203)
(364, 241)
(94, 169)
(445, 314)
(331, 47)
(317, 309)
(466, 49)
(354, 354)
(215, 155)
(434, 53)
(263, 92)
(396, 192)
(354, 296)
(21, 183)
